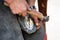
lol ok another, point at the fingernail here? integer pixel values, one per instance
(37, 24)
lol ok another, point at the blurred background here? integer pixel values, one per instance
(53, 26)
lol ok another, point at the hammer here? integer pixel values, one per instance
(39, 15)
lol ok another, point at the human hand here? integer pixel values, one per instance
(18, 6)
(35, 18)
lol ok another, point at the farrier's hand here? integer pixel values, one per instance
(37, 22)
(18, 6)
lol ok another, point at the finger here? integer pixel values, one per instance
(13, 9)
(24, 13)
(36, 22)
(38, 27)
